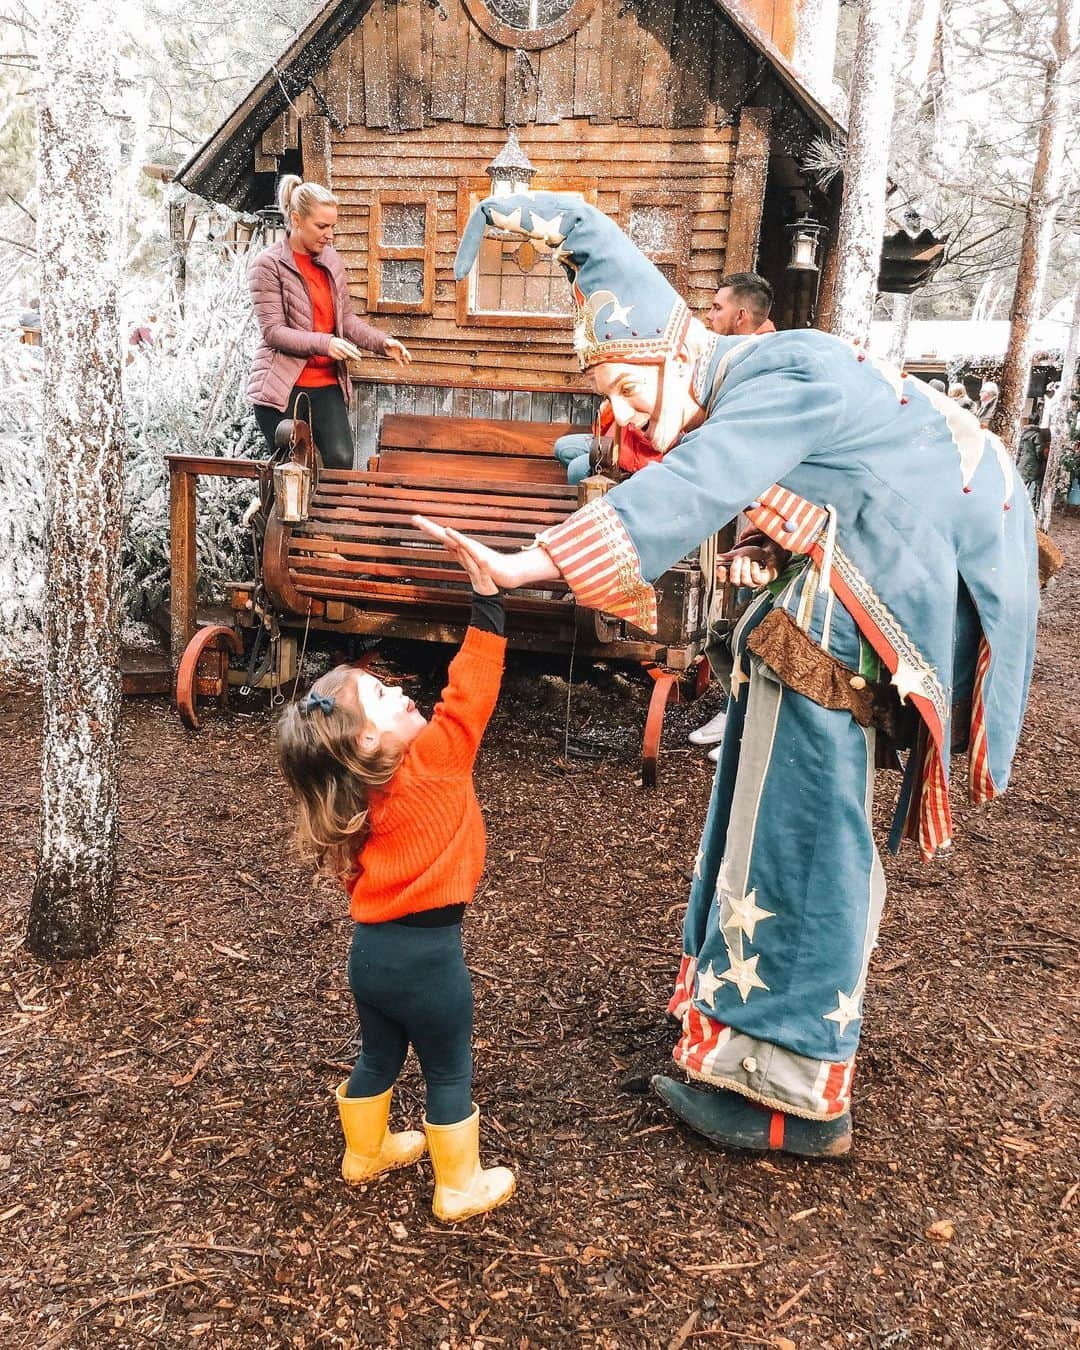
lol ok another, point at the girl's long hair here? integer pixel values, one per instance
(331, 776)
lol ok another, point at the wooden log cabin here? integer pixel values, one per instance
(683, 119)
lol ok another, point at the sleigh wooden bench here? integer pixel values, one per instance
(359, 550)
(357, 564)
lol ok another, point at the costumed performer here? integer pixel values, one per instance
(911, 609)
(386, 801)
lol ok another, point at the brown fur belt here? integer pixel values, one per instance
(812, 672)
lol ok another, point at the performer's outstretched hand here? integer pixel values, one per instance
(505, 571)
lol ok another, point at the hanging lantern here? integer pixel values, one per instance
(511, 171)
(805, 237)
(271, 224)
(292, 491)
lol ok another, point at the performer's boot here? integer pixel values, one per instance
(370, 1148)
(733, 1121)
(462, 1186)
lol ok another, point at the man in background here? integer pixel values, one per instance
(741, 306)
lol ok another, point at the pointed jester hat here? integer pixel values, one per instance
(625, 308)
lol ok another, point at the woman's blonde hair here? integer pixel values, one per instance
(293, 194)
(331, 775)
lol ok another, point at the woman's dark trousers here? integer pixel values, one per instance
(329, 422)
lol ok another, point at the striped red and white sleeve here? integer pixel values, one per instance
(597, 557)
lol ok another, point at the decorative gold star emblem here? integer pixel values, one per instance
(620, 314)
(547, 231)
(845, 1012)
(707, 985)
(511, 222)
(909, 679)
(743, 975)
(746, 914)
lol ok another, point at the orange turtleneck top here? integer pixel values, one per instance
(426, 843)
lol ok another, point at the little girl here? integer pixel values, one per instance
(386, 802)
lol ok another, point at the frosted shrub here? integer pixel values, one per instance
(183, 392)
(22, 487)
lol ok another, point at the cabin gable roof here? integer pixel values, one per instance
(320, 82)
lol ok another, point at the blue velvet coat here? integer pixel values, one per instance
(929, 511)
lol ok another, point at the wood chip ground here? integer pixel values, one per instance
(168, 1140)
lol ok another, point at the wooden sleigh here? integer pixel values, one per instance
(357, 565)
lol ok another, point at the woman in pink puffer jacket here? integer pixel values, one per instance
(309, 331)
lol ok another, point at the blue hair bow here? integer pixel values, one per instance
(324, 702)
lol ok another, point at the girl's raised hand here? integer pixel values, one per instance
(506, 571)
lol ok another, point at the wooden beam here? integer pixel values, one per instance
(182, 567)
(748, 190)
(315, 150)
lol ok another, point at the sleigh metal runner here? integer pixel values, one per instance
(336, 553)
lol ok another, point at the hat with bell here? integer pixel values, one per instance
(625, 308)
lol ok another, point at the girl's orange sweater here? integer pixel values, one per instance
(426, 843)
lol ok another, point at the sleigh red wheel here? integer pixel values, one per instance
(204, 669)
(665, 691)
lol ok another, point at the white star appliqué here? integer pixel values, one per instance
(620, 314)
(909, 679)
(547, 231)
(698, 861)
(707, 985)
(743, 975)
(510, 222)
(845, 1012)
(746, 914)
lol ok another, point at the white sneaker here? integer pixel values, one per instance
(714, 753)
(712, 733)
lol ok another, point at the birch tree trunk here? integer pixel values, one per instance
(1061, 418)
(1044, 202)
(79, 231)
(862, 215)
(901, 323)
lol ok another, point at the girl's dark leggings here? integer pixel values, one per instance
(329, 422)
(411, 986)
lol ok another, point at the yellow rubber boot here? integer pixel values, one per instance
(462, 1186)
(370, 1148)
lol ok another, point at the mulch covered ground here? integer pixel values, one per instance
(168, 1140)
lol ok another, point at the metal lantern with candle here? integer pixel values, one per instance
(292, 491)
(271, 224)
(511, 171)
(806, 235)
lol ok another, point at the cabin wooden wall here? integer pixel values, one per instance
(645, 96)
(696, 167)
(658, 63)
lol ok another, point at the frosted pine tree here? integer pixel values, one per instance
(1061, 420)
(862, 215)
(1059, 51)
(22, 482)
(185, 391)
(79, 230)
